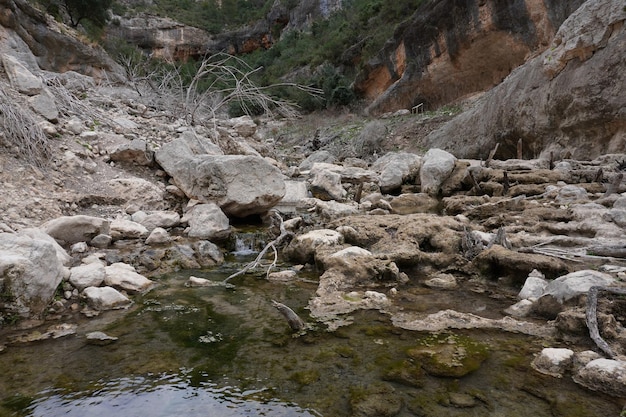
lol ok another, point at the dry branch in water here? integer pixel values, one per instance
(272, 245)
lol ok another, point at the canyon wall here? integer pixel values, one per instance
(450, 49)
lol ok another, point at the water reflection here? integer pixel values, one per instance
(163, 395)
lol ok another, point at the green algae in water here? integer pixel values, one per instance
(449, 355)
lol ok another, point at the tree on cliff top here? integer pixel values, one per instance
(96, 11)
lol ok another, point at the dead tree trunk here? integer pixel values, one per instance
(591, 316)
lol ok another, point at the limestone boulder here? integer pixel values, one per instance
(604, 375)
(30, 272)
(303, 247)
(437, 165)
(20, 77)
(207, 221)
(577, 283)
(73, 229)
(89, 275)
(44, 105)
(127, 229)
(124, 277)
(315, 157)
(105, 298)
(396, 168)
(553, 361)
(325, 183)
(159, 218)
(158, 236)
(136, 191)
(241, 185)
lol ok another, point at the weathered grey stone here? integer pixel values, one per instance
(571, 193)
(315, 157)
(124, 277)
(159, 218)
(295, 192)
(437, 165)
(533, 286)
(240, 185)
(442, 281)
(44, 105)
(553, 361)
(395, 168)
(158, 236)
(127, 229)
(520, 309)
(89, 275)
(302, 247)
(145, 194)
(326, 184)
(73, 229)
(135, 151)
(30, 272)
(576, 283)
(207, 221)
(105, 298)
(208, 253)
(244, 126)
(604, 375)
(99, 338)
(20, 77)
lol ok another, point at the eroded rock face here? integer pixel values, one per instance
(451, 49)
(27, 27)
(567, 100)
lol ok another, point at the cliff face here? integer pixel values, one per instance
(24, 27)
(166, 38)
(452, 48)
(569, 100)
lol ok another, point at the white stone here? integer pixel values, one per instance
(158, 236)
(127, 229)
(553, 361)
(604, 375)
(124, 277)
(88, 275)
(533, 288)
(576, 283)
(520, 309)
(105, 298)
(437, 165)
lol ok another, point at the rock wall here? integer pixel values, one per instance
(569, 100)
(452, 48)
(24, 29)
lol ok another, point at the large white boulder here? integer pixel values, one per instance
(30, 272)
(241, 185)
(437, 165)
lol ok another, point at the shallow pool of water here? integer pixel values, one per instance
(219, 351)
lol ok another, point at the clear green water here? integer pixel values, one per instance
(227, 352)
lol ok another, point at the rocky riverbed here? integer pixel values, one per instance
(106, 194)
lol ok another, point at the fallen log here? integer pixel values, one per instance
(294, 321)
